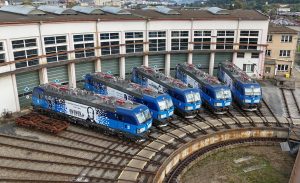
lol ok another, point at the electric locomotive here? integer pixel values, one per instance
(246, 92)
(214, 94)
(187, 101)
(160, 105)
(112, 115)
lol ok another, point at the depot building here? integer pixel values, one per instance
(52, 44)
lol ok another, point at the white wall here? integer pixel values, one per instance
(7, 94)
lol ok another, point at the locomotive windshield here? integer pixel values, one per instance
(143, 116)
(193, 97)
(223, 94)
(252, 91)
(165, 104)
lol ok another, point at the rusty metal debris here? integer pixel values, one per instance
(41, 122)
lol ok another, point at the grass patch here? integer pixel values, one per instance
(272, 166)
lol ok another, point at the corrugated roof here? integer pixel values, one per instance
(203, 15)
(6, 17)
(217, 11)
(115, 10)
(166, 10)
(22, 9)
(57, 10)
(88, 10)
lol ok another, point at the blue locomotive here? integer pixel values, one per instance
(187, 101)
(214, 94)
(111, 115)
(160, 105)
(246, 92)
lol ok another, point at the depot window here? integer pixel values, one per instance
(248, 68)
(225, 39)
(254, 55)
(202, 40)
(157, 41)
(25, 51)
(248, 40)
(56, 48)
(268, 53)
(2, 53)
(110, 43)
(134, 42)
(179, 40)
(84, 45)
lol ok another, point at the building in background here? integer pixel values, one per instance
(116, 3)
(281, 50)
(62, 46)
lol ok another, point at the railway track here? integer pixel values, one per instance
(291, 104)
(80, 154)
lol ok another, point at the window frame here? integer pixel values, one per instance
(111, 44)
(228, 37)
(134, 42)
(154, 40)
(202, 37)
(26, 48)
(83, 44)
(180, 38)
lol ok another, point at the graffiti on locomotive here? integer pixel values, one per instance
(85, 112)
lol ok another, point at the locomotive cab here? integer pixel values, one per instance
(188, 101)
(250, 97)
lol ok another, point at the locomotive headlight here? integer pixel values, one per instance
(227, 103)
(163, 116)
(198, 106)
(247, 101)
(149, 125)
(256, 101)
(188, 108)
(171, 113)
(218, 104)
(140, 130)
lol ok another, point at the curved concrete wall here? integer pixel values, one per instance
(214, 138)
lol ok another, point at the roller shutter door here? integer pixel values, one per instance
(81, 69)
(177, 59)
(157, 61)
(202, 61)
(219, 58)
(110, 66)
(25, 84)
(131, 62)
(58, 74)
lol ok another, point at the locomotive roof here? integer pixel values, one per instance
(200, 76)
(121, 84)
(162, 79)
(88, 97)
(238, 74)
